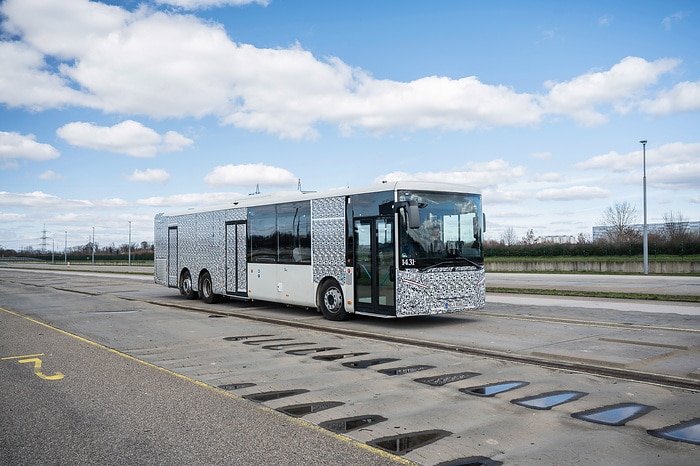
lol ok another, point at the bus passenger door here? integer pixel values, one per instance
(236, 277)
(172, 258)
(374, 266)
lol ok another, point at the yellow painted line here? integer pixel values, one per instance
(220, 391)
(21, 357)
(37, 369)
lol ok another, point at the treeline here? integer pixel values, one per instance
(657, 247)
(139, 252)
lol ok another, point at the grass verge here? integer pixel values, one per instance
(596, 294)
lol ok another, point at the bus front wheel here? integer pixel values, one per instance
(331, 301)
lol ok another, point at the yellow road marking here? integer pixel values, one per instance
(21, 357)
(37, 369)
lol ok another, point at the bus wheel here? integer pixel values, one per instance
(205, 290)
(331, 301)
(186, 286)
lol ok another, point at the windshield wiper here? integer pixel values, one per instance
(452, 261)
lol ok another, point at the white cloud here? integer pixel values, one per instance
(605, 20)
(250, 175)
(43, 201)
(572, 193)
(182, 201)
(128, 137)
(485, 175)
(197, 4)
(667, 154)
(24, 146)
(150, 175)
(668, 21)
(50, 175)
(683, 97)
(626, 80)
(170, 65)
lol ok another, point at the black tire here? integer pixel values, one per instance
(331, 301)
(205, 290)
(186, 289)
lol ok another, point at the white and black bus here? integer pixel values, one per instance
(389, 250)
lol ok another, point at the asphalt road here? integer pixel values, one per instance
(66, 400)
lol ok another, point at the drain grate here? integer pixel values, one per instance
(614, 415)
(262, 342)
(308, 408)
(405, 370)
(688, 431)
(267, 396)
(286, 345)
(440, 380)
(368, 363)
(335, 357)
(236, 386)
(305, 351)
(348, 424)
(246, 337)
(216, 316)
(472, 461)
(404, 443)
(494, 388)
(549, 400)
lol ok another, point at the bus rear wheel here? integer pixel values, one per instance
(205, 290)
(186, 289)
(331, 301)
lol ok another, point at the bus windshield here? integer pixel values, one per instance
(449, 233)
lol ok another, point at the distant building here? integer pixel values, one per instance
(601, 232)
(559, 239)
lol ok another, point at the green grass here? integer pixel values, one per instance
(654, 258)
(595, 294)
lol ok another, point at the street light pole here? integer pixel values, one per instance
(129, 243)
(93, 245)
(644, 182)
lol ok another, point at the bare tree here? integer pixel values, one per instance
(676, 227)
(582, 239)
(508, 237)
(618, 220)
(530, 238)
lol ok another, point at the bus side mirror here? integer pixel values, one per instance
(484, 215)
(411, 208)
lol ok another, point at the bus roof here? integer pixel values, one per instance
(278, 197)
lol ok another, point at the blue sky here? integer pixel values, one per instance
(111, 112)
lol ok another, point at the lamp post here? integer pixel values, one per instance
(644, 182)
(93, 245)
(65, 249)
(129, 243)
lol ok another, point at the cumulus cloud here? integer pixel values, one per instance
(150, 175)
(250, 175)
(44, 201)
(189, 200)
(50, 175)
(572, 193)
(626, 80)
(670, 166)
(198, 4)
(24, 146)
(683, 97)
(128, 137)
(169, 65)
(484, 174)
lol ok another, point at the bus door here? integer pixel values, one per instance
(236, 276)
(172, 258)
(374, 265)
